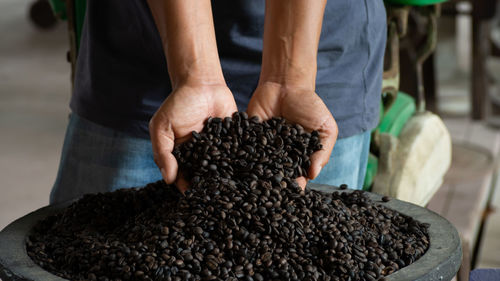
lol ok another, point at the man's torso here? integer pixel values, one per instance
(122, 75)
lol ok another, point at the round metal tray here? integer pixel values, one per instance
(440, 262)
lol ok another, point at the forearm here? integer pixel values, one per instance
(187, 32)
(291, 36)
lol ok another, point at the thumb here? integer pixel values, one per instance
(328, 136)
(181, 183)
(302, 182)
(162, 140)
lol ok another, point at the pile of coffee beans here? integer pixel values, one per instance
(244, 218)
(243, 149)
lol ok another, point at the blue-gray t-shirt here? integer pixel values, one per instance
(122, 76)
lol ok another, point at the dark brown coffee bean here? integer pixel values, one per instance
(198, 230)
(262, 211)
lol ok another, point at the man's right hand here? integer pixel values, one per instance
(187, 32)
(185, 110)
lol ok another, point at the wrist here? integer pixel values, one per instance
(290, 78)
(196, 73)
(282, 90)
(289, 71)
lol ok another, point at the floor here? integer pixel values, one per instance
(489, 253)
(471, 182)
(453, 86)
(34, 95)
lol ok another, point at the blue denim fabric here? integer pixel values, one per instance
(99, 159)
(347, 162)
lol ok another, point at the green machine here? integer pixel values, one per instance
(397, 107)
(71, 10)
(411, 148)
(391, 122)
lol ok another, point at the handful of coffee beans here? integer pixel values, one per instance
(244, 218)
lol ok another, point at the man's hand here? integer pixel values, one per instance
(288, 77)
(185, 110)
(299, 106)
(199, 91)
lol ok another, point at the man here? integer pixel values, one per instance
(299, 59)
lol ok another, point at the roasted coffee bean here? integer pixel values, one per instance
(262, 211)
(244, 217)
(198, 230)
(386, 198)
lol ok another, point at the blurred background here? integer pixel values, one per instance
(454, 78)
(35, 89)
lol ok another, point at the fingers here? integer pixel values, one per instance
(308, 110)
(162, 139)
(185, 110)
(301, 107)
(328, 136)
(302, 182)
(181, 183)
